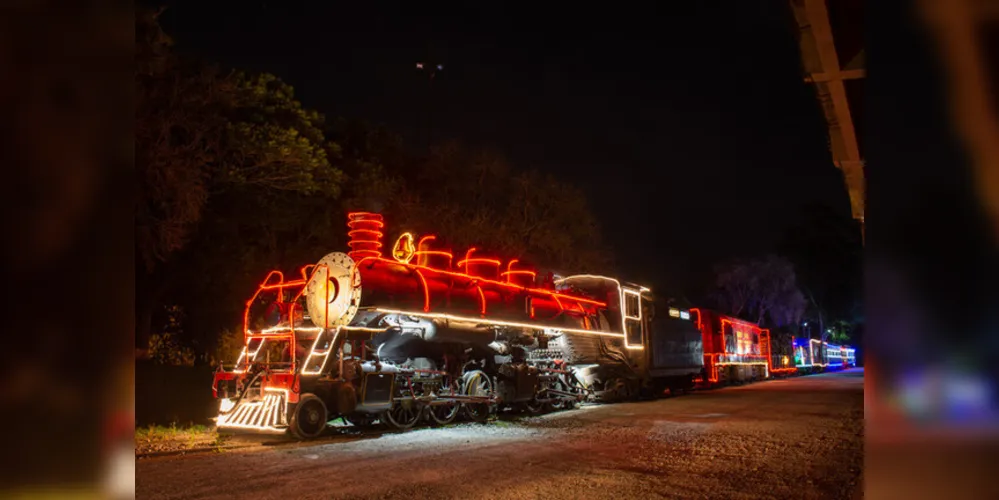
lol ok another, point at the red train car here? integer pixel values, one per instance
(735, 350)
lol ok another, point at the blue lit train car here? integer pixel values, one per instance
(814, 353)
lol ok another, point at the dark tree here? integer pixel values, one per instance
(216, 155)
(764, 291)
(827, 251)
(473, 198)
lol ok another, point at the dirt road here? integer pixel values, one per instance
(794, 438)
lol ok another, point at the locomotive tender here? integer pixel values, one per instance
(414, 335)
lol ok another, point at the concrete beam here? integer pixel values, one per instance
(822, 61)
(850, 74)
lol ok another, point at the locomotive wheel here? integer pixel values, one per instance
(403, 415)
(564, 404)
(630, 390)
(443, 414)
(559, 403)
(535, 407)
(621, 388)
(309, 418)
(447, 413)
(477, 383)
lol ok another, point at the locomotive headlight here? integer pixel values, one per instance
(225, 405)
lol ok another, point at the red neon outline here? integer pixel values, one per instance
(555, 295)
(468, 254)
(510, 264)
(480, 260)
(510, 272)
(698, 311)
(365, 235)
(435, 252)
(426, 291)
(420, 252)
(426, 237)
(482, 300)
(305, 271)
(286, 284)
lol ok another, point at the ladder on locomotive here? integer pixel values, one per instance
(249, 353)
(319, 354)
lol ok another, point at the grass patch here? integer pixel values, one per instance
(174, 437)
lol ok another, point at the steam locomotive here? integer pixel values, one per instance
(414, 336)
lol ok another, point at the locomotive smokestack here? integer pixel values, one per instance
(365, 235)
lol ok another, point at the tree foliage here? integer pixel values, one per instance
(762, 290)
(218, 155)
(275, 143)
(475, 198)
(201, 133)
(169, 349)
(736, 285)
(840, 331)
(178, 131)
(826, 248)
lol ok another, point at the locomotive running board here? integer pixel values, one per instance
(266, 415)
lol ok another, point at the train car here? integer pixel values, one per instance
(411, 333)
(676, 352)
(736, 350)
(815, 353)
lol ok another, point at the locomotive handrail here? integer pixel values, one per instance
(249, 303)
(242, 393)
(305, 270)
(511, 272)
(272, 273)
(266, 284)
(294, 304)
(419, 251)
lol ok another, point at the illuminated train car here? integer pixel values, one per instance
(814, 353)
(421, 334)
(736, 350)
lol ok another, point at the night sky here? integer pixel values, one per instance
(690, 127)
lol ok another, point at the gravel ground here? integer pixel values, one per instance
(795, 438)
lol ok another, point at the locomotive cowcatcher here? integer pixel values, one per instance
(419, 334)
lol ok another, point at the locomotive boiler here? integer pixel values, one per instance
(399, 330)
